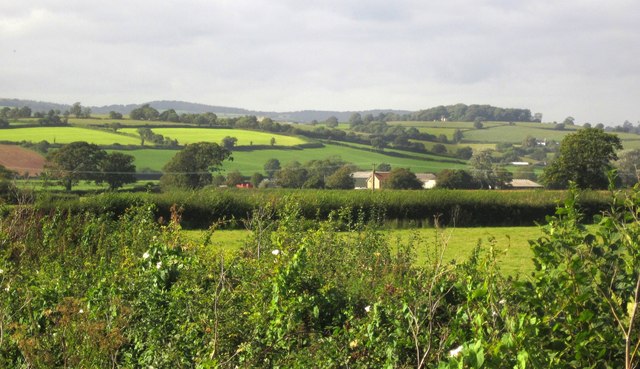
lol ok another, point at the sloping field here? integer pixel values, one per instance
(64, 135)
(21, 160)
(245, 138)
(248, 162)
(513, 134)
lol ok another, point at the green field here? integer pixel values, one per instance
(63, 135)
(100, 121)
(438, 124)
(245, 138)
(248, 162)
(511, 243)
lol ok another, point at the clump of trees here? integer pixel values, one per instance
(402, 179)
(332, 172)
(469, 113)
(81, 161)
(147, 135)
(15, 112)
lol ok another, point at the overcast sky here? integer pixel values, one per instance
(573, 57)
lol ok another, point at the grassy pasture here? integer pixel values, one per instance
(513, 134)
(64, 135)
(245, 138)
(510, 242)
(438, 124)
(98, 121)
(248, 162)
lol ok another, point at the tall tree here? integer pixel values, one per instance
(271, 167)
(584, 158)
(293, 175)
(629, 167)
(341, 179)
(402, 179)
(74, 162)
(118, 169)
(229, 142)
(332, 122)
(192, 166)
(456, 179)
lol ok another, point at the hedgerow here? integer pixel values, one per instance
(93, 290)
(401, 208)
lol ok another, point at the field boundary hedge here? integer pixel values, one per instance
(473, 208)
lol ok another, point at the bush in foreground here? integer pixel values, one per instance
(92, 291)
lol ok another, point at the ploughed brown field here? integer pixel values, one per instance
(21, 160)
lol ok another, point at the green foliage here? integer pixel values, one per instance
(402, 179)
(118, 169)
(584, 158)
(191, 167)
(76, 161)
(628, 167)
(341, 179)
(456, 179)
(101, 291)
(462, 208)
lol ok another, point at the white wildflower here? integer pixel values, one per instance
(158, 265)
(8, 288)
(456, 351)
(275, 252)
(502, 302)
(81, 311)
(367, 308)
(145, 255)
(1, 271)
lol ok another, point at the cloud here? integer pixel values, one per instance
(561, 58)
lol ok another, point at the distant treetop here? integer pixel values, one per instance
(468, 113)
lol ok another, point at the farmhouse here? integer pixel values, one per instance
(374, 182)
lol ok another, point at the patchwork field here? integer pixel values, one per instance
(245, 138)
(248, 162)
(63, 135)
(21, 160)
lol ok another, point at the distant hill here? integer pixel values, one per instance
(452, 112)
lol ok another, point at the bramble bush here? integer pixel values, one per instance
(99, 290)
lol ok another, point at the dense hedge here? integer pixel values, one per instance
(397, 208)
(90, 291)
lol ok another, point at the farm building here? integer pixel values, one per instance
(428, 180)
(360, 179)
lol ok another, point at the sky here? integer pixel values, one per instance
(576, 58)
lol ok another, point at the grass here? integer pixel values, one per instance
(249, 162)
(64, 135)
(438, 124)
(514, 134)
(511, 243)
(245, 138)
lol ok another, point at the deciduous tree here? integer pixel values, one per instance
(192, 166)
(118, 169)
(584, 158)
(341, 179)
(74, 162)
(402, 179)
